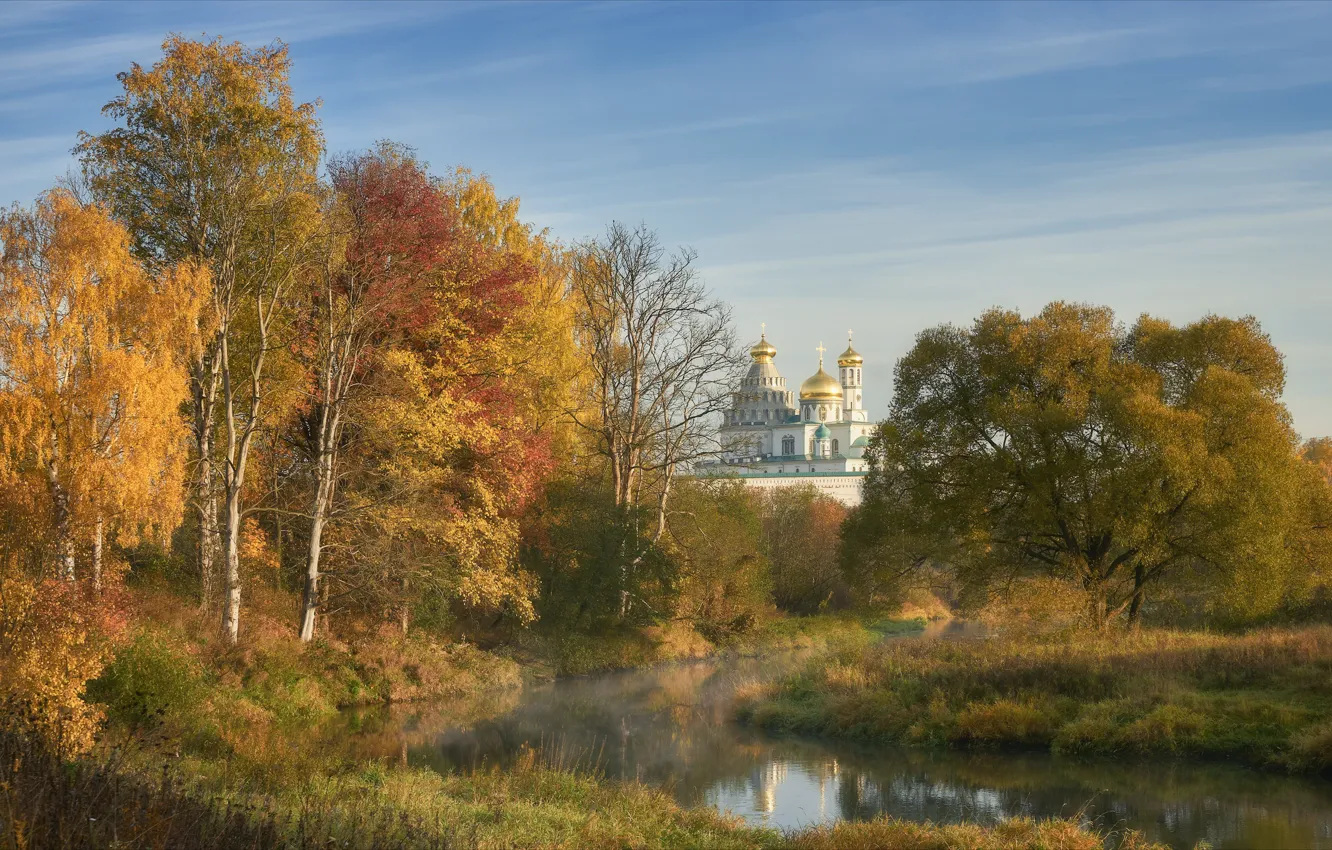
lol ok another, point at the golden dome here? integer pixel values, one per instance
(763, 352)
(850, 357)
(821, 385)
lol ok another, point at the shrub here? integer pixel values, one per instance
(1006, 722)
(1167, 728)
(54, 636)
(150, 678)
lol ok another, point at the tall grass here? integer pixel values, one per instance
(1265, 697)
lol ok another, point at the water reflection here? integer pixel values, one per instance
(671, 727)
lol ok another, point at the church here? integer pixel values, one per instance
(774, 438)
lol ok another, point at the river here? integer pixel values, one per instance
(672, 727)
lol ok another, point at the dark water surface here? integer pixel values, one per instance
(672, 727)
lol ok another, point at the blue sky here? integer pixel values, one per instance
(879, 167)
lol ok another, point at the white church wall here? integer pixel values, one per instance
(844, 488)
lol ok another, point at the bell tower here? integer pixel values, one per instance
(849, 364)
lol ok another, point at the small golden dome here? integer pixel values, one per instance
(763, 352)
(850, 357)
(821, 385)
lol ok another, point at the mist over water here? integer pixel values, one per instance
(672, 727)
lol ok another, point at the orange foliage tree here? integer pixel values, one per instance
(440, 328)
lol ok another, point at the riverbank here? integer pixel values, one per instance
(1264, 698)
(210, 746)
(306, 800)
(574, 654)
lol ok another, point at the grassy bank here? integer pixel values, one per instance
(1263, 697)
(172, 677)
(129, 797)
(212, 747)
(575, 654)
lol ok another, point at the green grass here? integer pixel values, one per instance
(1264, 697)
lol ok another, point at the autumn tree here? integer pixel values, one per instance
(454, 433)
(89, 378)
(384, 233)
(660, 356)
(800, 529)
(1318, 452)
(1066, 445)
(574, 546)
(213, 162)
(715, 536)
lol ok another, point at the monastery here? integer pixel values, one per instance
(774, 438)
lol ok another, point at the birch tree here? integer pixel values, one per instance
(382, 239)
(89, 378)
(213, 161)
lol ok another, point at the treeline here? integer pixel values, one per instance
(1066, 469)
(235, 363)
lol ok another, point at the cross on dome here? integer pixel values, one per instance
(850, 357)
(820, 350)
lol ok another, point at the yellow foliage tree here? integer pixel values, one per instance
(467, 417)
(90, 381)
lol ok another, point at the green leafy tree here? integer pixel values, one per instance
(1067, 445)
(714, 532)
(574, 545)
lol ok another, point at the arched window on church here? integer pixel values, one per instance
(788, 445)
(834, 447)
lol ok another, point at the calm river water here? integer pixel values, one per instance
(671, 727)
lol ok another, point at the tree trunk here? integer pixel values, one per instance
(404, 609)
(205, 386)
(98, 534)
(239, 437)
(310, 593)
(206, 502)
(63, 518)
(661, 504)
(231, 567)
(1139, 596)
(1097, 604)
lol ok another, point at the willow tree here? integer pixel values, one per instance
(90, 377)
(213, 162)
(1115, 458)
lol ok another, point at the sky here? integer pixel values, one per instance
(877, 167)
